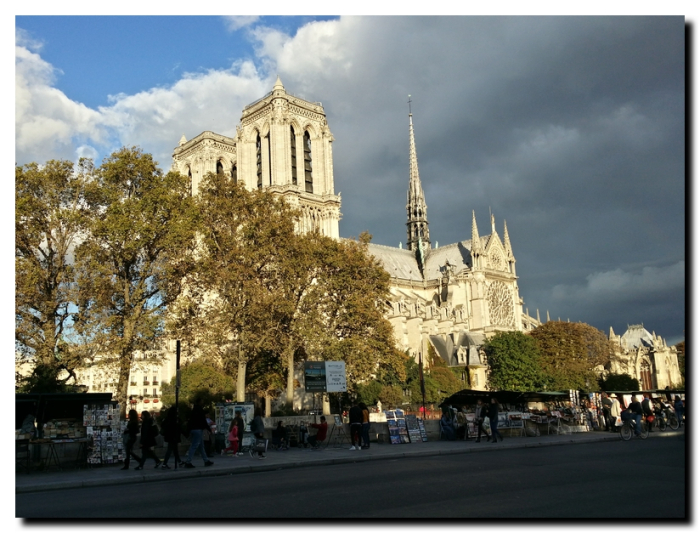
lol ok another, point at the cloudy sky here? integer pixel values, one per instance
(569, 128)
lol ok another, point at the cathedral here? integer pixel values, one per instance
(452, 297)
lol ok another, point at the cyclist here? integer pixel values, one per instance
(647, 410)
(634, 412)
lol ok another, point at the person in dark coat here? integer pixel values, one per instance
(258, 429)
(149, 431)
(479, 415)
(679, 408)
(355, 426)
(130, 435)
(493, 420)
(196, 425)
(171, 434)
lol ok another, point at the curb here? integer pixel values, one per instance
(148, 478)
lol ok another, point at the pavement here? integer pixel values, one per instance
(102, 475)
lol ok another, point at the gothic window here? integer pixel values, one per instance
(258, 159)
(293, 144)
(219, 167)
(269, 160)
(234, 174)
(645, 375)
(308, 169)
(189, 175)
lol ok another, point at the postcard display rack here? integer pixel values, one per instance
(398, 432)
(103, 426)
(414, 433)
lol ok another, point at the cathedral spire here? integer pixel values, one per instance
(476, 244)
(417, 225)
(506, 240)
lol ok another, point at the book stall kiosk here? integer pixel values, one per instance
(61, 430)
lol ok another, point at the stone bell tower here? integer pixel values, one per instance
(283, 144)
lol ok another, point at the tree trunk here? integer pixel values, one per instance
(290, 379)
(268, 405)
(123, 384)
(240, 384)
(326, 404)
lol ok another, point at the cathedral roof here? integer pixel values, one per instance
(637, 336)
(398, 262)
(402, 263)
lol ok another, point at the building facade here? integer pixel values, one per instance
(645, 357)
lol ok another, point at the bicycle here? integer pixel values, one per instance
(627, 429)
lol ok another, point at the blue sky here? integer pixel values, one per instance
(569, 128)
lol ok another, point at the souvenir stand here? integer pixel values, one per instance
(414, 434)
(62, 429)
(392, 424)
(226, 412)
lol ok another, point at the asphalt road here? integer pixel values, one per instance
(636, 479)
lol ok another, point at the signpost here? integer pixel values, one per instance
(325, 376)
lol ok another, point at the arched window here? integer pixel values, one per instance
(189, 175)
(308, 176)
(293, 144)
(234, 174)
(219, 167)
(258, 158)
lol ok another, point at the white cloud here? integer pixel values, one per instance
(236, 22)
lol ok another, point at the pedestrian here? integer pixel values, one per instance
(615, 411)
(258, 429)
(232, 438)
(130, 434)
(208, 437)
(196, 426)
(240, 424)
(493, 419)
(479, 416)
(607, 405)
(355, 426)
(279, 436)
(171, 434)
(679, 408)
(648, 410)
(365, 426)
(149, 432)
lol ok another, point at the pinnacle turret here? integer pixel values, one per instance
(416, 208)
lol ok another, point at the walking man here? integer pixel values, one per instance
(355, 426)
(493, 419)
(479, 416)
(607, 405)
(197, 424)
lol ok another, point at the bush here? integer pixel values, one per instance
(621, 382)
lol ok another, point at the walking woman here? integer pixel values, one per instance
(149, 431)
(132, 431)
(493, 420)
(171, 435)
(365, 426)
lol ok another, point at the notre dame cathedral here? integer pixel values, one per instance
(452, 297)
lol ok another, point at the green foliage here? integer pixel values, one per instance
(391, 396)
(571, 353)
(369, 392)
(50, 220)
(514, 362)
(137, 252)
(621, 382)
(200, 379)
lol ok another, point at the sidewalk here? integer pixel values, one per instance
(294, 458)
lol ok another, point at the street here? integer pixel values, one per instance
(635, 479)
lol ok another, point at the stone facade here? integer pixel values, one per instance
(453, 296)
(646, 357)
(283, 144)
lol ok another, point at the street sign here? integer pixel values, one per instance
(324, 376)
(335, 376)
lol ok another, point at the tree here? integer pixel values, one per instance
(570, 353)
(133, 261)
(514, 362)
(201, 378)
(50, 220)
(621, 382)
(231, 305)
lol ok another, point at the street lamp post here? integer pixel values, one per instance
(177, 385)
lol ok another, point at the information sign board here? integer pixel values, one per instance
(335, 376)
(324, 376)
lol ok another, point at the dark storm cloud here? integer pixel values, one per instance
(572, 129)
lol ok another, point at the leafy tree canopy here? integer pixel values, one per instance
(514, 362)
(621, 382)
